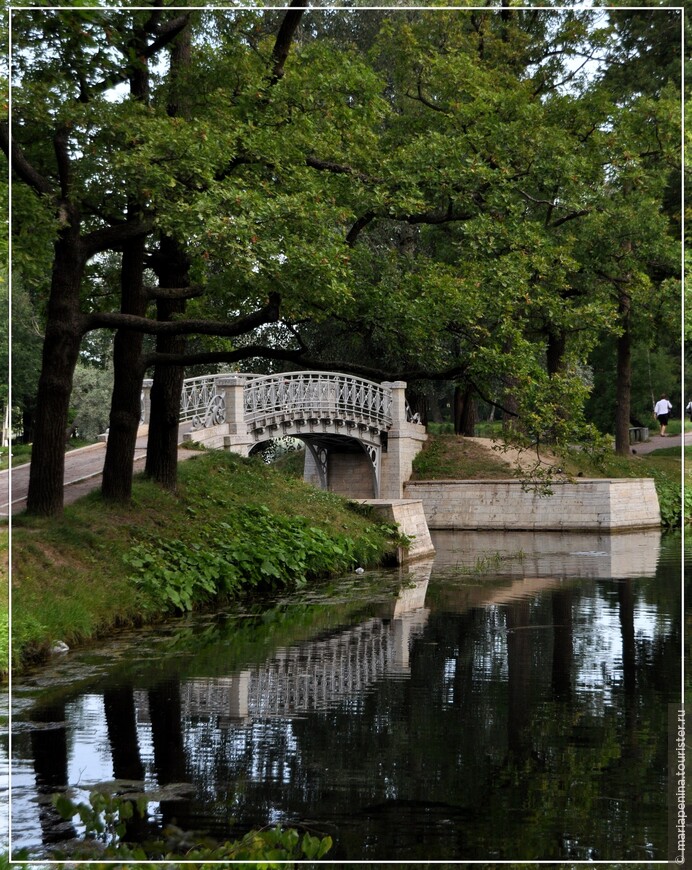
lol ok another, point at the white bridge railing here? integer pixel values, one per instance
(312, 395)
(317, 395)
(236, 411)
(200, 403)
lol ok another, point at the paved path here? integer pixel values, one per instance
(656, 442)
(83, 469)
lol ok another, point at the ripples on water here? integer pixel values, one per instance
(403, 713)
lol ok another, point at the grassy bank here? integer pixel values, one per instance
(234, 526)
(4, 601)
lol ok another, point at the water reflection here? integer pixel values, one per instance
(402, 724)
(322, 672)
(552, 554)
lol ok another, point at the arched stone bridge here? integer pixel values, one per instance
(360, 436)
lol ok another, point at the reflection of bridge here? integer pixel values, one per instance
(320, 673)
(360, 437)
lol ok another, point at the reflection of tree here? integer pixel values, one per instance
(626, 611)
(49, 749)
(425, 766)
(561, 600)
(169, 748)
(119, 707)
(121, 722)
(494, 721)
(519, 685)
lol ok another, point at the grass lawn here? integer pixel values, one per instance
(4, 601)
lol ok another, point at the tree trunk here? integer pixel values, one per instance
(464, 411)
(162, 445)
(623, 376)
(60, 354)
(555, 351)
(172, 268)
(127, 381)
(128, 371)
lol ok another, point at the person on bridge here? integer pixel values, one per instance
(662, 410)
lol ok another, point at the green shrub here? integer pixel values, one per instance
(254, 549)
(105, 819)
(670, 501)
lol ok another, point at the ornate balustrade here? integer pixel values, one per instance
(200, 403)
(291, 395)
(318, 396)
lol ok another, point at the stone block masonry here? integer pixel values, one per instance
(409, 515)
(607, 504)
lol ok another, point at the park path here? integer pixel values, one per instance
(656, 442)
(83, 470)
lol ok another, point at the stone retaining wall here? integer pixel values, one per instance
(608, 504)
(410, 517)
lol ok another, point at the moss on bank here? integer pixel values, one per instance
(77, 577)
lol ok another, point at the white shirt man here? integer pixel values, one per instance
(662, 409)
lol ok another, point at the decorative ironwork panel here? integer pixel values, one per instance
(200, 403)
(318, 396)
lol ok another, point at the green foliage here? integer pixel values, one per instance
(254, 549)
(91, 400)
(670, 501)
(105, 819)
(447, 192)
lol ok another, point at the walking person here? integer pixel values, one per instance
(688, 408)
(662, 410)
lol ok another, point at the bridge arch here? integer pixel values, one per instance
(332, 413)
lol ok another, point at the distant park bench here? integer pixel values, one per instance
(639, 433)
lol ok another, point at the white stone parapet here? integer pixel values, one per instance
(605, 504)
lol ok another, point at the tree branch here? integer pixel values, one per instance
(110, 237)
(340, 169)
(172, 293)
(21, 165)
(167, 34)
(284, 38)
(60, 141)
(358, 227)
(570, 217)
(300, 357)
(240, 326)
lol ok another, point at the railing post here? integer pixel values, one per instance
(404, 441)
(398, 391)
(232, 389)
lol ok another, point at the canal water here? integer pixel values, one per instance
(511, 699)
